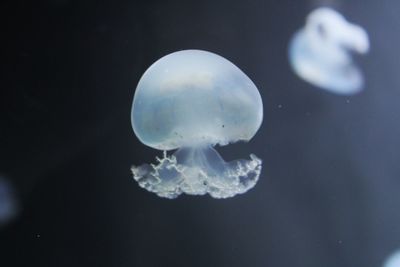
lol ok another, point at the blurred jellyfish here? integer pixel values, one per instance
(393, 260)
(192, 100)
(8, 203)
(320, 53)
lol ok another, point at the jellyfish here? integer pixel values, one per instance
(393, 260)
(190, 101)
(320, 53)
(8, 203)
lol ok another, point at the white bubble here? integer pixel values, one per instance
(192, 100)
(320, 53)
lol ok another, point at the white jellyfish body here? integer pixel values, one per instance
(320, 53)
(393, 260)
(192, 100)
(8, 203)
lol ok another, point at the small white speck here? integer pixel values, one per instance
(38, 235)
(347, 101)
(279, 106)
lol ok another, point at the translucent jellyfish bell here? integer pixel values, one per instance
(8, 203)
(192, 100)
(393, 260)
(320, 53)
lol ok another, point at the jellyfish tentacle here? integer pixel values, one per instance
(198, 171)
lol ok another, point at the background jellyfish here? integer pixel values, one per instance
(8, 203)
(320, 52)
(393, 260)
(193, 100)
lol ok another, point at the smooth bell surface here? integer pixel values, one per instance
(194, 97)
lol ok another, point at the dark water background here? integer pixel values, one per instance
(328, 195)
